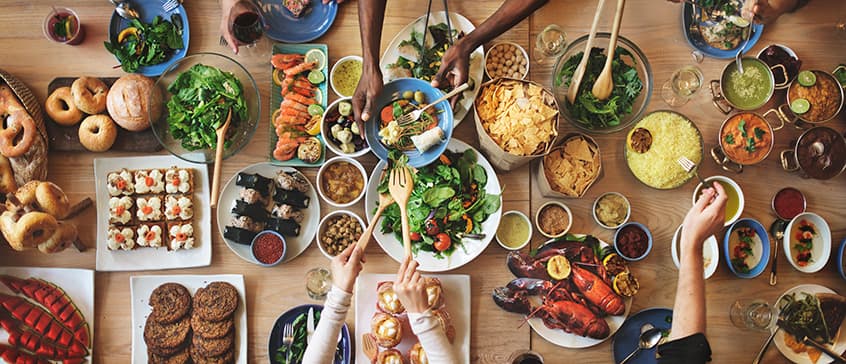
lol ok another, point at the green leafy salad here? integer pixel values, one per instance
(447, 205)
(591, 112)
(143, 44)
(202, 97)
(299, 346)
(428, 58)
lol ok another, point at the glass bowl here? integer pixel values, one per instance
(240, 131)
(637, 59)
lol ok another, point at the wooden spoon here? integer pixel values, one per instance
(605, 83)
(218, 158)
(385, 200)
(580, 70)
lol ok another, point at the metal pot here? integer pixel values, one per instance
(725, 105)
(800, 121)
(780, 68)
(820, 153)
(724, 160)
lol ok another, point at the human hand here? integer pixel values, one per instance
(410, 287)
(455, 66)
(369, 86)
(329, 1)
(706, 217)
(225, 30)
(346, 266)
(766, 11)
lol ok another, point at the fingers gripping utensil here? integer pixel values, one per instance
(648, 340)
(414, 115)
(604, 84)
(218, 158)
(573, 90)
(385, 200)
(400, 185)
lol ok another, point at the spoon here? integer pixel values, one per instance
(648, 340)
(124, 11)
(218, 158)
(604, 83)
(746, 30)
(777, 229)
(576, 81)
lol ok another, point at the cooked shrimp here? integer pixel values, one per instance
(291, 104)
(300, 68)
(292, 96)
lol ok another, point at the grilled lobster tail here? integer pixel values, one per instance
(573, 317)
(597, 291)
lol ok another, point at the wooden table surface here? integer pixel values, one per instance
(652, 24)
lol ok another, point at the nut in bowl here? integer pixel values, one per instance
(340, 131)
(338, 230)
(633, 241)
(554, 219)
(507, 59)
(341, 181)
(747, 248)
(514, 231)
(710, 253)
(611, 209)
(570, 168)
(807, 242)
(734, 194)
(269, 248)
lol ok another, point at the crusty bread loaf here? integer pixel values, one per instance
(129, 102)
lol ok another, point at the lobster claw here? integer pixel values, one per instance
(522, 265)
(511, 300)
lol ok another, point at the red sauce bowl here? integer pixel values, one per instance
(268, 248)
(788, 203)
(633, 241)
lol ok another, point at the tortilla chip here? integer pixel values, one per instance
(517, 116)
(573, 167)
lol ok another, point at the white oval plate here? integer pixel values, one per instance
(294, 245)
(839, 344)
(821, 250)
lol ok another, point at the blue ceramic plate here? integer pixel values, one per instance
(694, 38)
(626, 338)
(275, 341)
(841, 259)
(148, 10)
(442, 110)
(312, 23)
(760, 247)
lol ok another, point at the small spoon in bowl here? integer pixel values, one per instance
(125, 11)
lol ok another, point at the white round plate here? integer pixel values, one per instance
(839, 344)
(427, 261)
(295, 245)
(567, 340)
(459, 22)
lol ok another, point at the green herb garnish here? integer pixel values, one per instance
(742, 127)
(750, 144)
(729, 139)
(759, 133)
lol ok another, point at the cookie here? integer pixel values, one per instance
(216, 302)
(211, 330)
(226, 358)
(182, 356)
(170, 302)
(166, 352)
(213, 347)
(166, 335)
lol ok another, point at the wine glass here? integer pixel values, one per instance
(318, 283)
(681, 87)
(247, 25)
(752, 314)
(550, 43)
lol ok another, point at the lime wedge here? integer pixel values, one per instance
(739, 21)
(318, 96)
(316, 77)
(800, 106)
(315, 109)
(317, 56)
(807, 78)
(345, 108)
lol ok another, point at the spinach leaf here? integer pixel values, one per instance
(435, 196)
(148, 44)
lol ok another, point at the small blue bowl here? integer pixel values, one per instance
(648, 244)
(841, 259)
(284, 248)
(764, 242)
(443, 111)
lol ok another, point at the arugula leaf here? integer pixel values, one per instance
(152, 43)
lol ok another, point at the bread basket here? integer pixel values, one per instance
(32, 106)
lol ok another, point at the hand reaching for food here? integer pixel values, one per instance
(410, 287)
(369, 87)
(767, 11)
(454, 68)
(346, 267)
(706, 217)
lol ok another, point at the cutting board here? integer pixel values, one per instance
(66, 138)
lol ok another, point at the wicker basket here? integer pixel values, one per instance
(32, 106)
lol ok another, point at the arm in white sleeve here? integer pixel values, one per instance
(432, 337)
(321, 347)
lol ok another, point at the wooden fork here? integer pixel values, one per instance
(400, 185)
(368, 343)
(385, 200)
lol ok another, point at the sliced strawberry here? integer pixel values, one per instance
(83, 335)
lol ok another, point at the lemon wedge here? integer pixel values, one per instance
(558, 267)
(614, 264)
(625, 284)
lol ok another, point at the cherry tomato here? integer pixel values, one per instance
(415, 236)
(442, 242)
(431, 227)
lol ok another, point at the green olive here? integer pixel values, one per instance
(419, 97)
(407, 95)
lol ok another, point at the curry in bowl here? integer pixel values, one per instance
(748, 90)
(824, 97)
(746, 138)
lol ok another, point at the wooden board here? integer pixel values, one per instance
(66, 138)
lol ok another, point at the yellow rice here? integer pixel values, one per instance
(673, 136)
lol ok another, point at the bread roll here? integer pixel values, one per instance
(129, 102)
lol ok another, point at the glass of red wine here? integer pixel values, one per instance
(246, 23)
(62, 26)
(525, 357)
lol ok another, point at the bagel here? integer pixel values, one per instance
(29, 231)
(97, 133)
(26, 193)
(52, 200)
(18, 134)
(7, 177)
(63, 237)
(89, 94)
(61, 107)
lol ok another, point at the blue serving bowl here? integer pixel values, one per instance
(648, 244)
(443, 110)
(763, 241)
(284, 248)
(841, 259)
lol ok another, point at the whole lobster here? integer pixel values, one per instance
(597, 291)
(524, 265)
(561, 308)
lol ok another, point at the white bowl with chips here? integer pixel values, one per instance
(552, 184)
(498, 55)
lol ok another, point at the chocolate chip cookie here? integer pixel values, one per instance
(225, 358)
(216, 302)
(182, 356)
(213, 347)
(166, 335)
(211, 330)
(170, 302)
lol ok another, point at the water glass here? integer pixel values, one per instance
(752, 314)
(681, 87)
(318, 283)
(550, 43)
(62, 25)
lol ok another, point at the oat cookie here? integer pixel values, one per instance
(166, 335)
(170, 302)
(216, 302)
(180, 357)
(211, 330)
(225, 358)
(213, 347)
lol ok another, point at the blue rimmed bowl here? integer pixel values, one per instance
(760, 248)
(841, 259)
(390, 92)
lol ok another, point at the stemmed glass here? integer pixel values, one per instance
(752, 314)
(550, 43)
(681, 87)
(247, 25)
(318, 283)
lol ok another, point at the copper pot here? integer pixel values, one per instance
(801, 121)
(730, 164)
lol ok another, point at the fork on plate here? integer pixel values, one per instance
(688, 167)
(170, 5)
(288, 340)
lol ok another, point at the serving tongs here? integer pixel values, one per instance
(449, 23)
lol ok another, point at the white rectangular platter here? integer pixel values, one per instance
(153, 258)
(77, 283)
(142, 286)
(456, 297)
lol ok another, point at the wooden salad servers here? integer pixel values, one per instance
(604, 84)
(573, 90)
(400, 185)
(218, 158)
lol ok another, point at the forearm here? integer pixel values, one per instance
(321, 346)
(506, 17)
(689, 308)
(371, 15)
(435, 343)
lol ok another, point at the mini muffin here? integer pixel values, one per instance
(120, 238)
(150, 235)
(179, 180)
(120, 210)
(390, 356)
(149, 181)
(120, 183)
(386, 329)
(387, 300)
(435, 292)
(180, 235)
(179, 207)
(170, 302)
(149, 208)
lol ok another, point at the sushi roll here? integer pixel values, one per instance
(150, 235)
(292, 181)
(120, 238)
(293, 198)
(149, 181)
(239, 235)
(179, 180)
(284, 226)
(253, 196)
(254, 211)
(120, 183)
(120, 210)
(179, 207)
(180, 235)
(254, 181)
(287, 212)
(247, 223)
(149, 208)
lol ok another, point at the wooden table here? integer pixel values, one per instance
(495, 334)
